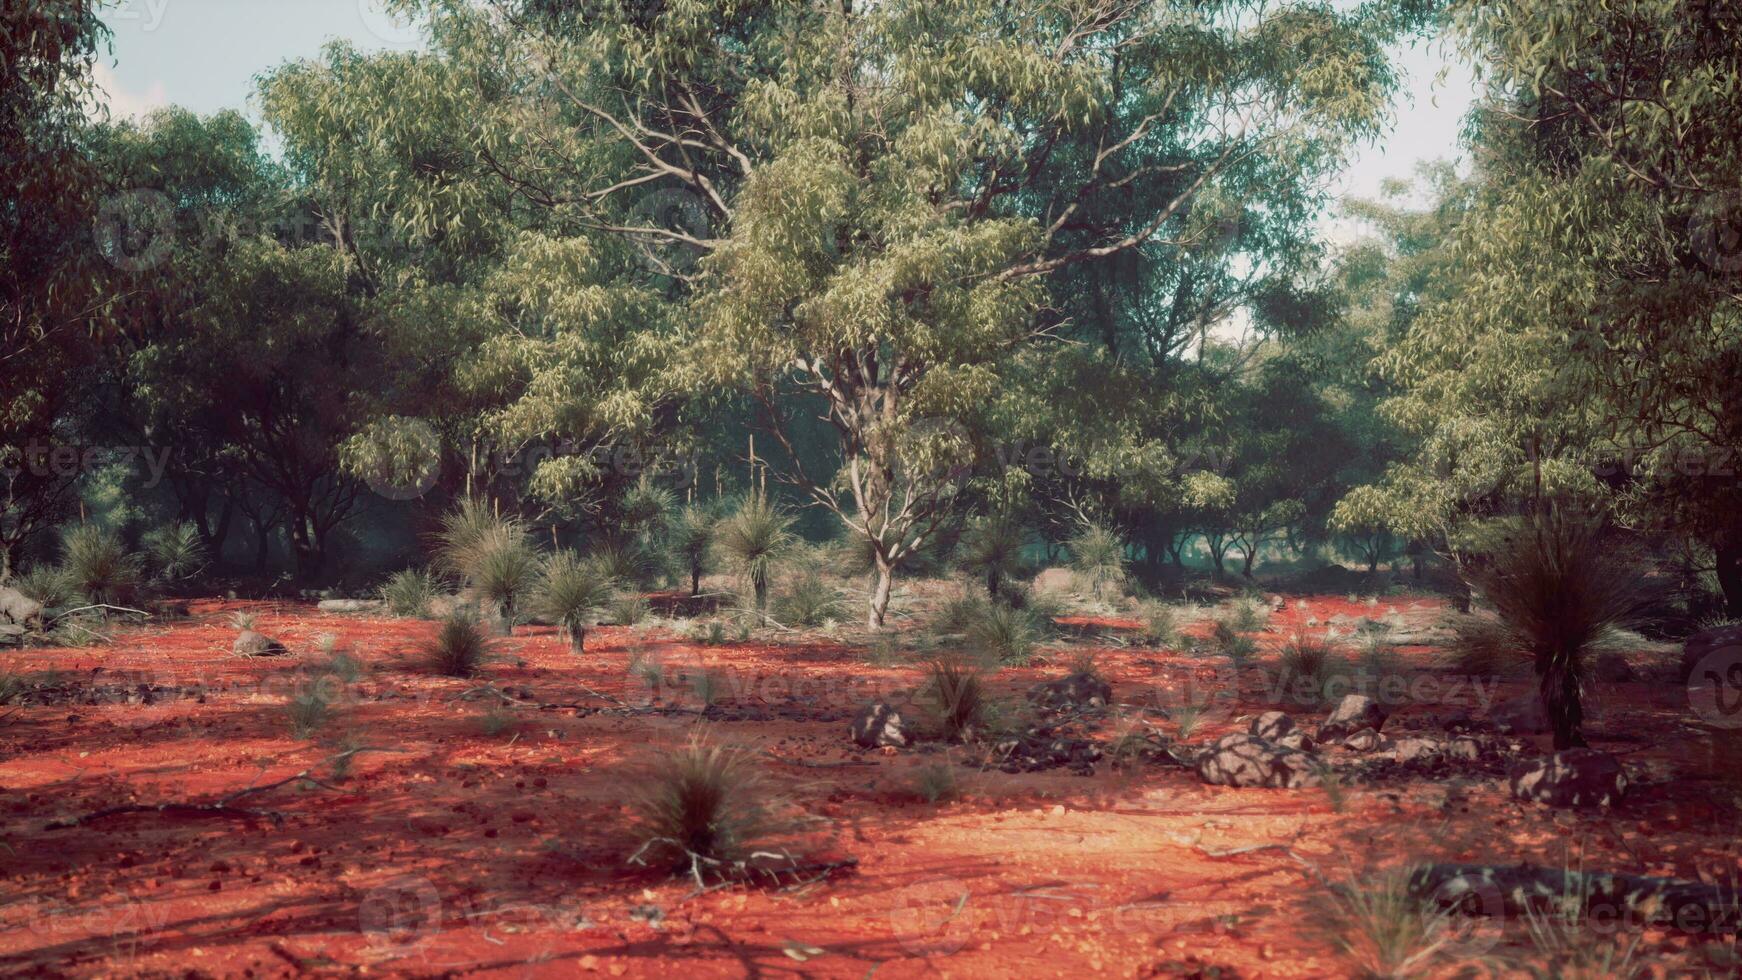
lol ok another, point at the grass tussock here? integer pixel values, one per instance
(572, 592)
(1098, 558)
(700, 803)
(98, 568)
(752, 541)
(409, 592)
(1380, 930)
(460, 647)
(808, 600)
(937, 782)
(956, 690)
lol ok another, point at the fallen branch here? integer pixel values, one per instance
(103, 606)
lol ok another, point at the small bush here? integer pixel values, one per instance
(936, 782)
(1380, 929)
(1098, 557)
(1186, 719)
(957, 691)
(460, 648)
(1004, 633)
(752, 540)
(701, 802)
(991, 548)
(957, 613)
(808, 601)
(504, 569)
(98, 568)
(629, 609)
(692, 541)
(1246, 615)
(1236, 646)
(496, 721)
(1160, 625)
(243, 620)
(308, 709)
(409, 592)
(1305, 659)
(625, 561)
(571, 593)
(47, 585)
(175, 552)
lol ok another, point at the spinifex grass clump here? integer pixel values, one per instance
(97, 566)
(1381, 930)
(490, 553)
(460, 647)
(808, 600)
(175, 552)
(702, 804)
(629, 609)
(1098, 558)
(1004, 633)
(752, 540)
(1558, 588)
(1161, 626)
(409, 592)
(1305, 661)
(956, 690)
(309, 708)
(571, 593)
(991, 549)
(1236, 646)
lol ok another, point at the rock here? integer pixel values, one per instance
(1522, 715)
(1464, 749)
(251, 644)
(1416, 749)
(1612, 668)
(1244, 760)
(348, 606)
(1043, 748)
(877, 725)
(19, 608)
(1365, 740)
(1079, 691)
(1698, 646)
(1353, 713)
(1054, 581)
(1297, 740)
(1271, 726)
(11, 633)
(1574, 777)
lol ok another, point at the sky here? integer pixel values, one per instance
(205, 55)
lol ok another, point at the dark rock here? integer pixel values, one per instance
(878, 724)
(1612, 668)
(251, 644)
(1574, 777)
(1075, 692)
(1353, 713)
(1244, 760)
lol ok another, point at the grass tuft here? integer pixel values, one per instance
(460, 648)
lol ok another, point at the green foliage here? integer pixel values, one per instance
(571, 593)
(629, 609)
(1304, 662)
(1161, 625)
(502, 567)
(752, 540)
(1238, 647)
(704, 801)
(308, 710)
(1098, 557)
(807, 600)
(175, 551)
(991, 548)
(47, 584)
(956, 690)
(692, 542)
(937, 782)
(409, 592)
(1380, 930)
(1559, 585)
(460, 648)
(1004, 633)
(626, 561)
(98, 567)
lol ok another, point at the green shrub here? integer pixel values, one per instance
(175, 551)
(308, 709)
(1306, 659)
(463, 534)
(936, 782)
(46, 584)
(752, 540)
(409, 592)
(702, 802)
(504, 569)
(1236, 646)
(808, 600)
(460, 648)
(625, 561)
(957, 613)
(1246, 615)
(957, 691)
(629, 609)
(1380, 929)
(1558, 588)
(991, 548)
(1006, 634)
(692, 541)
(1161, 626)
(572, 592)
(97, 566)
(1098, 557)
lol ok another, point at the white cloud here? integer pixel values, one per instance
(122, 102)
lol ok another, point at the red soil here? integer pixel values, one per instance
(504, 854)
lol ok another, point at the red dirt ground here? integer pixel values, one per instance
(464, 851)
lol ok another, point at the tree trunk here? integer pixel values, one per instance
(695, 581)
(1560, 702)
(880, 593)
(1728, 559)
(992, 583)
